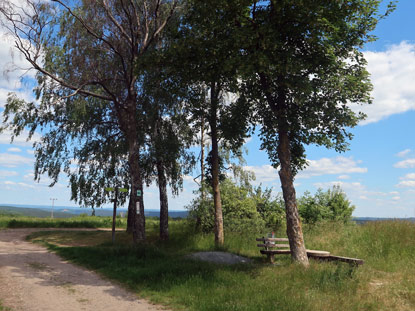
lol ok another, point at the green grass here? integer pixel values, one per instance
(17, 221)
(161, 271)
(3, 308)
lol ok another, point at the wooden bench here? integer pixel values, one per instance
(273, 246)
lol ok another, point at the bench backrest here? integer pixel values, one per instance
(269, 243)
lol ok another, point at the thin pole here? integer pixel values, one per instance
(53, 203)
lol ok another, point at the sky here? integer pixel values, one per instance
(377, 173)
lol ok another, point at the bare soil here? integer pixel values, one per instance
(33, 279)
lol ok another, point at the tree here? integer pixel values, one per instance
(89, 49)
(306, 67)
(208, 49)
(169, 135)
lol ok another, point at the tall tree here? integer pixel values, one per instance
(90, 49)
(211, 58)
(168, 135)
(306, 68)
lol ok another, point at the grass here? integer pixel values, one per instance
(161, 272)
(3, 308)
(17, 221)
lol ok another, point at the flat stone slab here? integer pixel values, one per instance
(219, 257)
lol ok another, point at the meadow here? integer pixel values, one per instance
(10, 220)
(162, 272)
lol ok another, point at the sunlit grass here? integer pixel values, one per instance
(15, 221)
(162, 272)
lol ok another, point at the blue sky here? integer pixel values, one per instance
(377, 173)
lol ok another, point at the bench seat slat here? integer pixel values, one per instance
(272, 239)
(310, 252)
(347, 259)
(275, 251)
(269, 245)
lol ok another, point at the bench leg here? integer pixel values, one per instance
(270, 258)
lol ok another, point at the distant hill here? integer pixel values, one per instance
(67, 212)
(362, 220)
(33, 212)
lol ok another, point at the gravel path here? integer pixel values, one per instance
(33, 279)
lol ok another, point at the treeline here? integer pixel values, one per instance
(124, 88)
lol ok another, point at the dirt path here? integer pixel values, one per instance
(32, 279)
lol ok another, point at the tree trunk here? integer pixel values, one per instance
(131, 214)
(219, 235)
(136, 201)
(128, 124)
(164, 205)
(202, 158)
(202, 169)
(294, 230)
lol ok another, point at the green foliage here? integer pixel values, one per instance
(331, 205)
(247, 208)
(244, 208)
(304, 68)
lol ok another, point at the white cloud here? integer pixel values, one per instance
(19, 140)
(355, 186)
(264, 173)
(403, 153)
(30, 151)
(407, 184)
(247, 140)
(29, 176)
(409, 176)
(408, 163)
(4, 174)
(188, 178)
(397, 198)
(356, 190)
(408, 181)
(14, 160)
(393, 77)
(17, 184)
(325, 166)
(14, 149)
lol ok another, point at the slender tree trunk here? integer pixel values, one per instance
(202, 168)
(202, 158)
(219, 235)
(164, 205)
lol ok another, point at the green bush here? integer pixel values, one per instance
(329, 205)
(244, 209)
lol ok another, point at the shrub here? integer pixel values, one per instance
(244, 209)
(330, 205)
